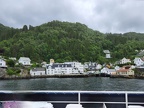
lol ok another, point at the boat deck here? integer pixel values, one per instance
(88, 99)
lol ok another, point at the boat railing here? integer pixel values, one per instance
(88, 99)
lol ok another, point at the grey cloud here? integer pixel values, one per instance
(36, 12)
(102, 15)
(120, 16)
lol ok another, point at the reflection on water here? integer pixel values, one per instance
(87, 84)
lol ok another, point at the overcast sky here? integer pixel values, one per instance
(116, 16)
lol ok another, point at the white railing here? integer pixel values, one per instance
(104, 98)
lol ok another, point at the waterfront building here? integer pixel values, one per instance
(117, 67)
(77, 66)
(99, 66)
(90, 66)
(59, 68)
(37, 72)
(2, 63)
(107, 70)
(86, 65)
(133, 67)
(25, 61)
(139, 61)
(125, 71)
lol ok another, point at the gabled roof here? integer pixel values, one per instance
(122, 70)
(106, 51)
(24, 58)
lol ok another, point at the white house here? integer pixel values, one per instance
(107, 52)
(124, 61)
(25, 61)
(86, 65)
(125, 71)
(104, 70)
(37, 72)
(133, 67)
(58, 68)
(3, 63)
(77, 66)
(107, 70)
(139, 61)
(99, 66)
(117, 67)
(91, 66)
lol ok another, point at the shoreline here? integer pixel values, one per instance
(44, 76)
(67, 76)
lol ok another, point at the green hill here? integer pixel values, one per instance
(65, 41)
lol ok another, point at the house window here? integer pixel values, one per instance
(1, 64)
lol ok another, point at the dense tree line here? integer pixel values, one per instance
(65, 41)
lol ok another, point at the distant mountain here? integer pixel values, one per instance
(65, 41)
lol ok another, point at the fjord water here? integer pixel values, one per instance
(84, 84)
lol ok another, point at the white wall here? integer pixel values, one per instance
(37, 73)
(138, 61)
(2, 63)
(77, 65)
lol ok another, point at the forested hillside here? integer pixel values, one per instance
(65, 41)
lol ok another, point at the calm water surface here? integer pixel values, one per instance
(87, 84)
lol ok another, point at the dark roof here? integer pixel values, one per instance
(61, 65)
(38, 69)
(55, 65)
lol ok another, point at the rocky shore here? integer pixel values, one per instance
(14, 77)
(44, 76)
